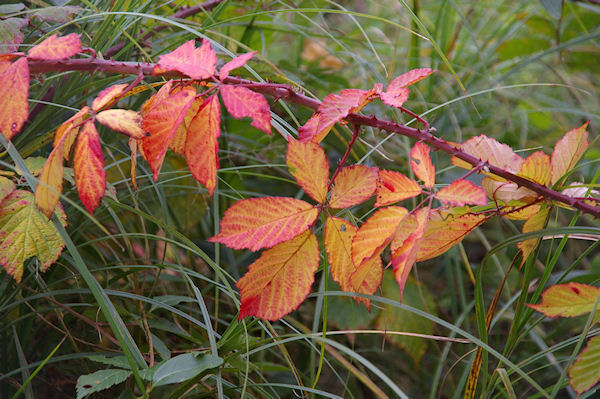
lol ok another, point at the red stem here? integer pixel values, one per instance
(355, 131)
(290, 94)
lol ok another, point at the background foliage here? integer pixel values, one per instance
(522, 72)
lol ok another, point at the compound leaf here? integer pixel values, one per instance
(235, 63)
(397, 92)
(461, 192)
(257, 223)
(339, 234)
(353, 185)
(56, 48)
(107, 95)
(242, 102)
(197, 63)
(585, 373)
(491, 151)
(394, 186)
(567, 151)
(88, 165)
(567, 300)
(280, 279)
(367, 278)
(14, 92)
(536, 222)
(405, 256)
(421, 165)
(537, 168)
(308, 163)
(123, 121)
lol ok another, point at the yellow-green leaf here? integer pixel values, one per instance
(567, 300)
(585, 373)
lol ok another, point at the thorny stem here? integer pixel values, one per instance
(290, 94)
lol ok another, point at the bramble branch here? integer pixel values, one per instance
(291, 94)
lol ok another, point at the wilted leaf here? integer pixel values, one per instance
(405, 256)
(10, 34)
(567, 300)
(56, 48)
(376, 232)
(339, 234)
(333, 109)
(308, 163)
(99, 381)
(107, 95)
(88, 164)
(235, 63)
(280, 279)
(585, 373)
(537, 168)
(461, 192)
(534, 223)
(201, 144)
(506, 192)
(184, 367)
(25, 232)
(445, 229)
(197, 63)
(353, 185)
(242, 102)
(489, 150)
(161, 120)
(421, 165)
(257, 223)
(14, 93)
(123, 121)
(394, 186)
(567, 151)
(397, 92)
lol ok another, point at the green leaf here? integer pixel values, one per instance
(99, 381)
(6, 187)
(26, 232)
(585, 373)
(34, 165)
(553, 7)
(119, 361)
(394, 319)
(11, 8)
(184, 367)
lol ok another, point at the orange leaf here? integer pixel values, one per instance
(107, 95)
(461, 192)
(339, 234)
(49, 186)
(506, 192)
(161, 120)
(88, 165)
(178, 141)
(14, 91)
(421, 165)
(257, 223)
(394, 186)
(123, 121)
(201, 144)
(235, 63)
(537, 168)
(376, 233)
(445, 229)
(333, 109)
(242, 102)
(397, 92)
(133, 146)
(353, 185)
(197, 63)
(56, 48)
(568, 150)
(536, 222)
(308, 163)
(489, 150)
(567, 300)
(280, 279)
(367, 278)
(405, 256)
(70, 128)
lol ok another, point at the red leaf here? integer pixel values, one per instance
(88, 165)
(397, 92)
(333, 109)
(56, 48)
(264, 222)
(405, 256)
(235, 63)
(421, 164)
(197, 63)
(353, 185)
(374, 235)
(179, 137)
(339, 234)
(568, 151)
(123, 121)
(394, 186)
(201, 144)
(14, 91)
(461, 192)
(308, 163)
(107, 95)
(242, 102)
(161, 120)
(280, 279)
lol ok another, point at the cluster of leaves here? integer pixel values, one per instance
(185, 117)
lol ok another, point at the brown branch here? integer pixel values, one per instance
(184, 13)
(291, 95)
